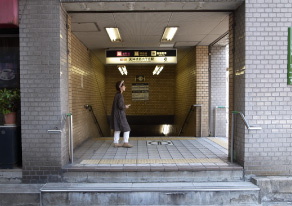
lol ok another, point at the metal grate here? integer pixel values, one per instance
(159, 142)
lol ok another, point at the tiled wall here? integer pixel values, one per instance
(202, 88)
(218, 91)
(231, 78)
(185, 93)
(87, 86)
(40, 84)
(239, 97)
(267, 95)
(161, 89)
(64, 90)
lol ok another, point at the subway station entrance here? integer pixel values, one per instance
(179, 117)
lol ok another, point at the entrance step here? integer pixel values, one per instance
(171, 193)
(275, 190)
(124, 174)
(20, 194)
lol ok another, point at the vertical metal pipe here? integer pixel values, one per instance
(215, 119)
(232, 138)
(201, 121)
(71, 137)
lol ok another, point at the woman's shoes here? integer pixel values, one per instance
(127, 145)
(117, 145)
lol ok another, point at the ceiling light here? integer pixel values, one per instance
(158, 69)
(168, 34)
(123, 70)
(114, 34)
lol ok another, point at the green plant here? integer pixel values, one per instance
(9, 100)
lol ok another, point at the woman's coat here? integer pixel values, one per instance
(118, 120)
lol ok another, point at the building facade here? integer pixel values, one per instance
(52, 85)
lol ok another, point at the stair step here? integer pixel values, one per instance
(175, 193)
(145, 187)
(20, 194)
(79, 176)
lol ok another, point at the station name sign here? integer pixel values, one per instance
(141, 56)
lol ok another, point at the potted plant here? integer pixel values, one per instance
(9, 104)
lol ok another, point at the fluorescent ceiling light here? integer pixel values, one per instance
(158, 69)
(168, 34)
(123, 70)
(114, 34)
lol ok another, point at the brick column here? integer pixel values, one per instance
(43, 84)
(218, 90)
(267, 95)
(202, 88)
(238, 77)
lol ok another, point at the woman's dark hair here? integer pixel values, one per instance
(118, 87)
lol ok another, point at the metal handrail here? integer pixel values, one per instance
(191, 109)
(232, 129)
(59, 130)
(89, 107)
(56, 130)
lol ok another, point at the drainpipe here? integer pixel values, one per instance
(209, 88)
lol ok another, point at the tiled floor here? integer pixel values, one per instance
(186, 153)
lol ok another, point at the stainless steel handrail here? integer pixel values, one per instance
(56, 130)
(52, 131)
(90, 109)
(232, 130)
(191, 109)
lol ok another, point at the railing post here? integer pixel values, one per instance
(71, 137)
(201, 123)
(232, 138)
(232, 129)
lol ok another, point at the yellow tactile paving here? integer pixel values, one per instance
(118, 161)
(219, 141)
(151, 138)
(151, 161)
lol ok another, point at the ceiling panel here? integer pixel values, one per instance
(198, 16)
(143, 17)
(145, 29)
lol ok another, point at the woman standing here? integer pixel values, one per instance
(118, 120)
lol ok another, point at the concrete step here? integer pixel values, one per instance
(275, 190)
(171, 193)
(111, 176)
(20, 194)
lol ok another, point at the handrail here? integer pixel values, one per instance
(89, 107)
(245, 122)
(232, 130)
(191, 109)
(56, 130)
(59, 130)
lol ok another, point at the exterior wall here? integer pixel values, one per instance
(87, 86)
(267, 95)
(202, 88)
(185, 88)
(231, 78)
(161, 89)
(41, 90)
(239, 90)
(218, 91)
(64, 90)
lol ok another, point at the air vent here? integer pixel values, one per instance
(85, 27)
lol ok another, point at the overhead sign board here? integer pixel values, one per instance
(141, 56)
